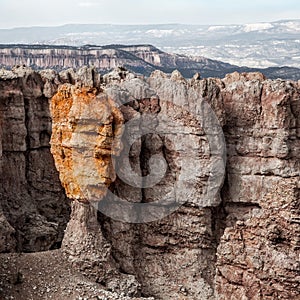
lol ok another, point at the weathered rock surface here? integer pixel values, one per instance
(241, 244)
(86, 133)
(252, 238)
(34, 206)
(174, 256)
(48, 275)
(258, 256)
(143, 59)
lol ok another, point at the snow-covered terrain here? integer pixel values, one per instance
(257, 27)
(254, 45)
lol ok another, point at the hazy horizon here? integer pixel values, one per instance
(147, 24)
(35, 13)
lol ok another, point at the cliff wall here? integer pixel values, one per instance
(32, 199)
(241, 244)
(142, 59)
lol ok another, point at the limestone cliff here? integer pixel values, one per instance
(258, 255)
(241, 244)
(142, 59)
(34, 209)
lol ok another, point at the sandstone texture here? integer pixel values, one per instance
(258, 255)
(142, 59)
(85, 136)
(187, 226)
(34, 209)
(86, 132)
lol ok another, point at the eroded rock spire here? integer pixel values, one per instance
(87, 127)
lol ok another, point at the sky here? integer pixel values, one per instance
(19, 13)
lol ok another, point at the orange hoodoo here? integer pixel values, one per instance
(86, 135)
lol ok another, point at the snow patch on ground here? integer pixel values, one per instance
(257, 27)
(216, 28)
(293, 25)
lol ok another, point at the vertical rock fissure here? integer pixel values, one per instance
(218, 222)
(143, 162)
(28, 146)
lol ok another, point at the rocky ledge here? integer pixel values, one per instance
(241, 242)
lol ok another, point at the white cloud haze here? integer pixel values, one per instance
(88, 4)
(15, 13)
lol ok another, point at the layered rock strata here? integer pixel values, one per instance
(86, 132)
(34, 209)
(244, 242)
(258, 255)
(143, 59)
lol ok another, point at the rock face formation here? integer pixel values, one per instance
(62, 57)
(241, 244)
(34, 209)
(86, 134)
(142, 59)
(258, 255)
